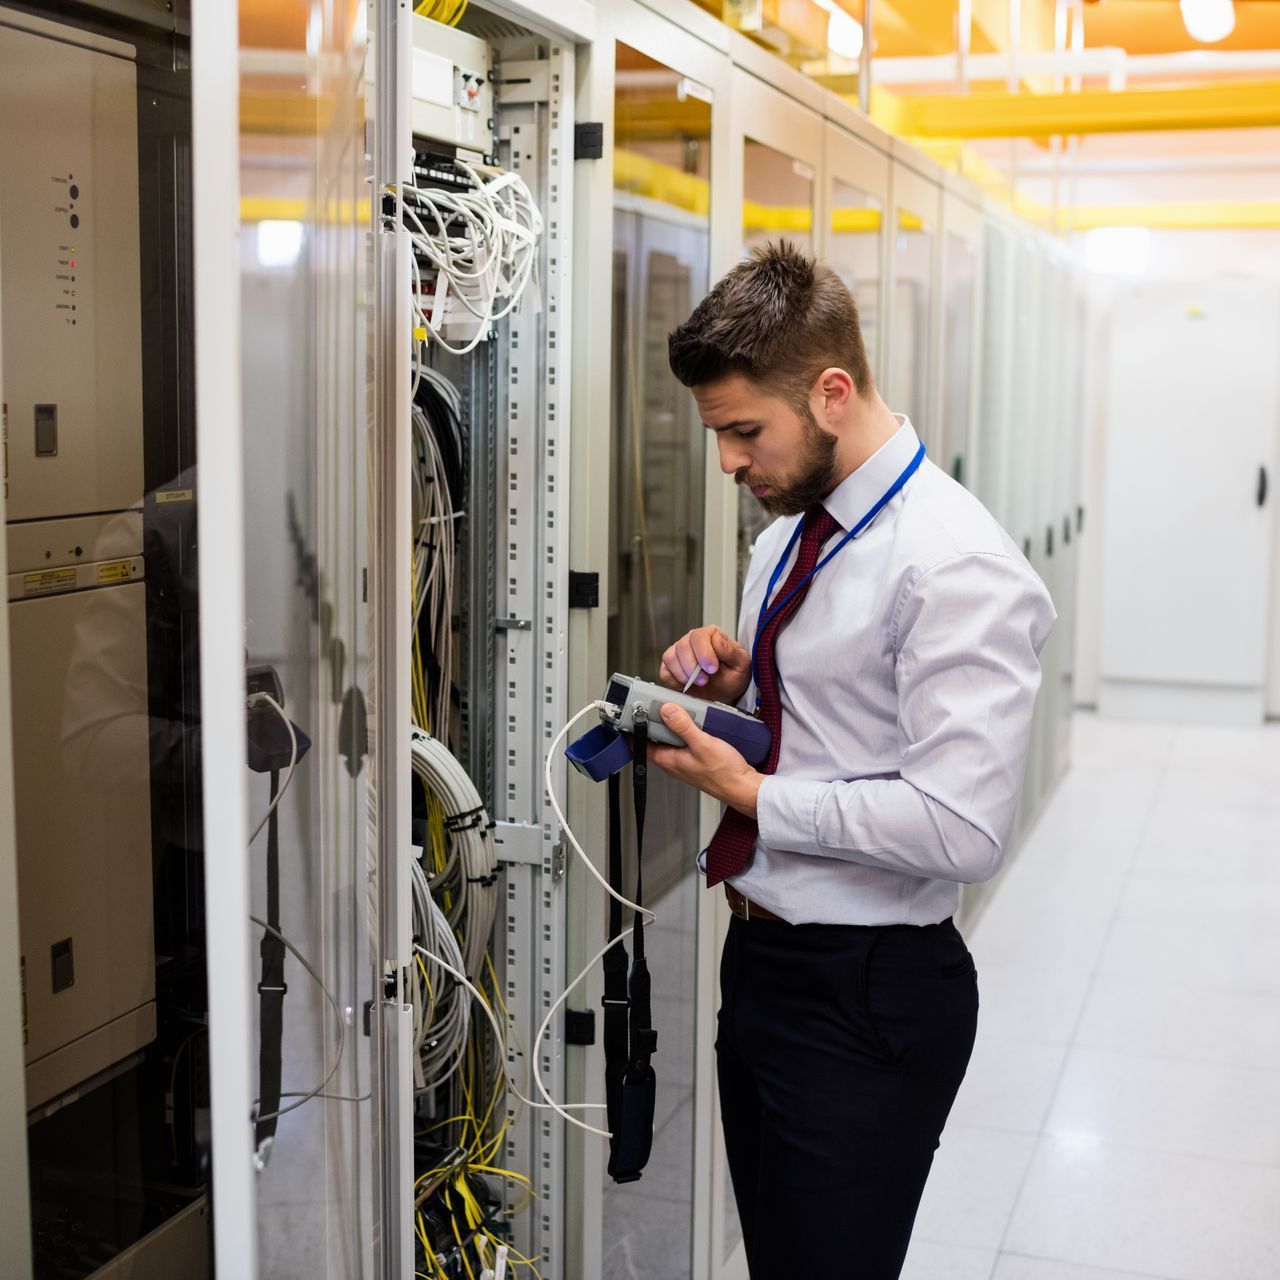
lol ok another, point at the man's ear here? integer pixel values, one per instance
(834, 393)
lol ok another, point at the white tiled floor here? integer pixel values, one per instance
(1121, 1116)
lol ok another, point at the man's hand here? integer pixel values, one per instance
(724, 665)
(707, 763)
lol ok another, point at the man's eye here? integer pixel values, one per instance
(747, 435)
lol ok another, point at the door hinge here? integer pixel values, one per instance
(584, 590)
(588, 140)
(579, 1026)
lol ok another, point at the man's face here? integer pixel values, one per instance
(784, 457)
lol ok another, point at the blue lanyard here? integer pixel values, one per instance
(767, 614)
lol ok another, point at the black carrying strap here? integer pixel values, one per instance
(271, 988)
(630, 1085)
(616, 1002)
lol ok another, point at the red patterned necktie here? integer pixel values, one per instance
(735, 838)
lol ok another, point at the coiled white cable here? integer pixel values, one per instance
(482, 242)
(598, 705)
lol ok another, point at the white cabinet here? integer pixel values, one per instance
(1193, 402)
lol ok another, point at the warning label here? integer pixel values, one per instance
(115, 571)
(37, 584)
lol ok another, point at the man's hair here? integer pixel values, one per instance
(779, 318)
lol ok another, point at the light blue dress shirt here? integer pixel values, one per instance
(908, 679)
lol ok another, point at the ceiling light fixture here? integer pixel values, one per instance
(1208, 21)
(844, 35)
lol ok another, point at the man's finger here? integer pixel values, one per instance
(680, 722)
(704, 648)
(686, 660)
(726, 646)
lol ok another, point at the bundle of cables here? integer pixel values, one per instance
(462, 866)
(478, 242)
(438, 479)
(458, 1217)
(445, 11)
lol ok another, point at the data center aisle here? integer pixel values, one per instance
(1121, 1116)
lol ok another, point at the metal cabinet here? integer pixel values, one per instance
(914, 310)
(854, 230)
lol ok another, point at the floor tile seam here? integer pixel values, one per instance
(1087, 1266)
(681, 1201)
(686, 1098)
(1139, 836)
(1216, 989)
(1168, 1058)
(1142, 1148)
(1237, 806)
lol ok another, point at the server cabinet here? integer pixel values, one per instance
(778, 144)
(914, 261)
(15, 1204)
(854, 238)
(101, 654)
(958, 365)
(69, 205)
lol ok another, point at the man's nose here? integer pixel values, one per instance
(733, 457)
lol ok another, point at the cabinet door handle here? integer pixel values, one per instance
(1262, 486)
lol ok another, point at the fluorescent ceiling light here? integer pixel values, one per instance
(279, 242)
(844, 34)
(1118, 251)
(1208, 21)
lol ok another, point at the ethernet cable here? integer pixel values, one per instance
(482, 244)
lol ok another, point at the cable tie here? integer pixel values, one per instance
(466, 821)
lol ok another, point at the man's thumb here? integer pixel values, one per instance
(725, 645)
(678, 720)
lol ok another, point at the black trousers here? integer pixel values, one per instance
(839, 1053)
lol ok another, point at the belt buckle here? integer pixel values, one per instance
(742, 907)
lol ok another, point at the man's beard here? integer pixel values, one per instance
(817, 473)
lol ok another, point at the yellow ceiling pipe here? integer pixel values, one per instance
(1213, 215)
(1237, 105)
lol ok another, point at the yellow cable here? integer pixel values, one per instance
(431, 995)
(453, 1222)
(462, 8)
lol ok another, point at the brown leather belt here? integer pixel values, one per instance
(744, 908)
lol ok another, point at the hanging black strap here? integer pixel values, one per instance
(615, 1001)
(271, 988)
(631, 1112)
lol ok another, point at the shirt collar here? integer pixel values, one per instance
(859, 491)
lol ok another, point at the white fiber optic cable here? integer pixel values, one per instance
(561, 1109)
(598, 705)
(481, 241)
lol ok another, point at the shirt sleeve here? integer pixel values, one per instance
(968, 639)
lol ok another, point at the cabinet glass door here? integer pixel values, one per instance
(961, 261)
(778, 204)
(661, 249)
(911, 314)
(854, 229)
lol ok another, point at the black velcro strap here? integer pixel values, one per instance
(616, 1001)
(271, 987)
(633, 1134)
(631, 1092)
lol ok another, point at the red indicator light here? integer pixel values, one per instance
(73, 264)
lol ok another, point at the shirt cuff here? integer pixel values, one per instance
(787, 813)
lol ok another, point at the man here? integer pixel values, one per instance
(897, 670)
